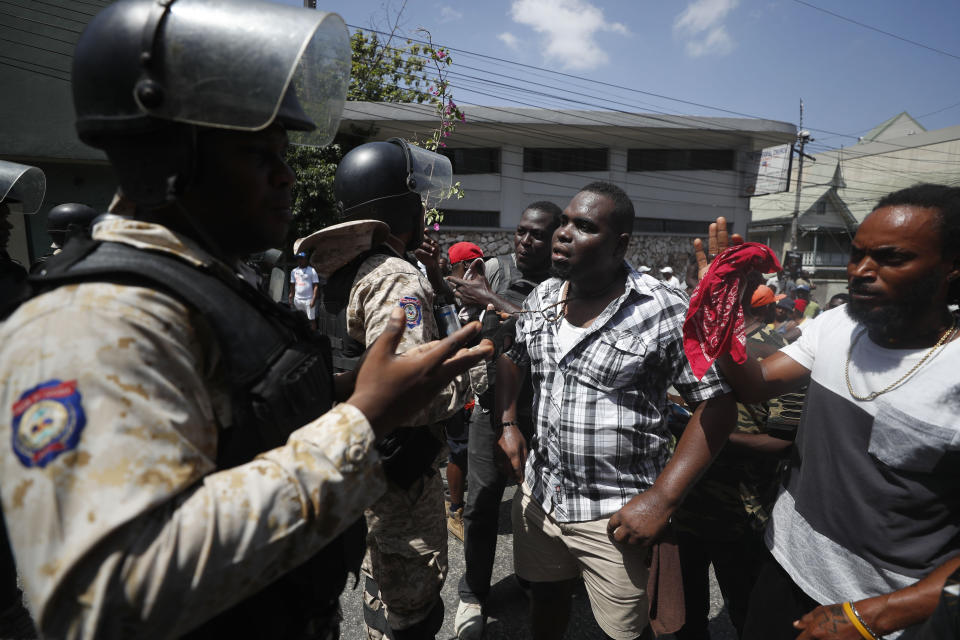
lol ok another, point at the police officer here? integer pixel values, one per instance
(391, 182)
(171, 464)
(22, 188)
(63, 221)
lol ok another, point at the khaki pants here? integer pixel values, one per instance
(615, 574)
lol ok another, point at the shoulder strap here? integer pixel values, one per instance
(334, 297)
(237, 312)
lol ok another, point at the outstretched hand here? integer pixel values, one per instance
(473, 288)
(390, 387)
(718, 241)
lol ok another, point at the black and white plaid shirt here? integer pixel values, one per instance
(601, 437)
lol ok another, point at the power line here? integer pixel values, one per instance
(886, 33)
(606, 84)
(17, 66)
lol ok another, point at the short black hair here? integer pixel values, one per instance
(946, 200)
(623, 212)
(839, 296)
(550, 208)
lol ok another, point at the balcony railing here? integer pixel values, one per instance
(825, 259)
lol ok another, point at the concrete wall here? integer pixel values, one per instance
(655, 251)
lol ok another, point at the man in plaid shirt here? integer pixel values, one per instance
(603, 344)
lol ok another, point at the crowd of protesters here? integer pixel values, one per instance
(186, 457)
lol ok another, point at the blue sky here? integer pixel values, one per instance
(756, 57)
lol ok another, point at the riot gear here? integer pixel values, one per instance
(22, 185)
(69, 219)
(147, 72)
(392, 182)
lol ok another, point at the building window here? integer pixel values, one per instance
(820, 208)
(676, 227)
(680, 159)
(468, 161)
(469, 218)
(544, 159)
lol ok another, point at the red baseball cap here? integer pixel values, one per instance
(464, 251)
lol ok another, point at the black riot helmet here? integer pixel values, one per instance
(69, 219)
(392, 182)
(22, 185)
(148, 73)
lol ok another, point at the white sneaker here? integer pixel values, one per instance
(468, 625)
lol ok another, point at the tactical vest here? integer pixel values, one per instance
(406, 453)
(279, 378)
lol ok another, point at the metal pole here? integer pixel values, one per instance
(796, 202)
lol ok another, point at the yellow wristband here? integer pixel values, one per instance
(855, 621)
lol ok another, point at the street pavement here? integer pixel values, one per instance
(507, 606)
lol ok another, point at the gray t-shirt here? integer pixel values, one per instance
(871, 501)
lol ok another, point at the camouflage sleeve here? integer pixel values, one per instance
(119, 523)
(396, 284)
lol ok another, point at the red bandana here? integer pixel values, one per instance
(714, 323)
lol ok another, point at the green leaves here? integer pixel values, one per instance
(381, 71)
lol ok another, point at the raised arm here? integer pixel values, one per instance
(752, 381)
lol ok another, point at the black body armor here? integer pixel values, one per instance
(279, 377)
(406, 453)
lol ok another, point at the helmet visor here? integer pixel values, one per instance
(229, 64)
(22, 184)
(431, 175)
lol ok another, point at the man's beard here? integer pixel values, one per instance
(893, 318)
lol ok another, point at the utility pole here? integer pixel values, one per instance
(803, 137)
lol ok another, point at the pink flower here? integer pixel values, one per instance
(436, 226)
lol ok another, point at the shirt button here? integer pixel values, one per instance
(356, 453)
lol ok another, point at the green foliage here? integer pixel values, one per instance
(381, 72)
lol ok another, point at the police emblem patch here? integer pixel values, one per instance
(411, 311)
(47, 421)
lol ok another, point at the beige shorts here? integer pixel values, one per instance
(615, 574)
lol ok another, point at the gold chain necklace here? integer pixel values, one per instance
(951, 330)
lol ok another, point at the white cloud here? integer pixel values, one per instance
(701, 25)
(569, 29)
(449, 14)
(510, 40)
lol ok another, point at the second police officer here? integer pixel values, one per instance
(392, 182)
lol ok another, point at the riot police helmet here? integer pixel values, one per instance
(391, 181)
(22, 187)
(68, 219)
(148, 73)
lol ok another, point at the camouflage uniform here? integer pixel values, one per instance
(407, 534)
(722, 518)
(120, 524)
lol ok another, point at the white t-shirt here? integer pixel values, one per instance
(868, 505)
(568, 336)
(304, 278)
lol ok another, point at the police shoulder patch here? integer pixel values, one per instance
(411, 311)
(47, 421)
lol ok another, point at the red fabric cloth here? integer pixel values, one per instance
(714, 323)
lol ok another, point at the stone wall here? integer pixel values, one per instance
(655, 251)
